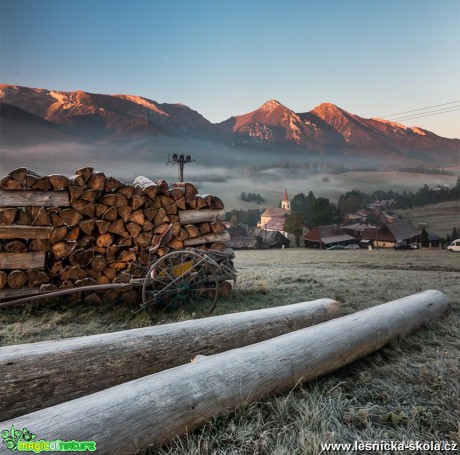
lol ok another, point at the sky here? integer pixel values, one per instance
(222, 58)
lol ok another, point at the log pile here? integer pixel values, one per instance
(63, 232)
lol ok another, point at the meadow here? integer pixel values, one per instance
(406, 391)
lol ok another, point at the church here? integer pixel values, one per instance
(273, 218)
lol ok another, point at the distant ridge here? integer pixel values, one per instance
(327, 129)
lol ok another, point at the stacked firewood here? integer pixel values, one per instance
(60, 232)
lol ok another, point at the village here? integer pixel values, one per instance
(353, 232)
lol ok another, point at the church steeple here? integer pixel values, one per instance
(285, 203)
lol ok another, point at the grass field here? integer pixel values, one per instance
(407, 391)
(440, 218)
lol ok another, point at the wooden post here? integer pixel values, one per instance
(158, 407)
(33, 373)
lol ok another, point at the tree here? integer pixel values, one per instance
(351, 201)
(454, 233)
(424, 238)
(293, 225)
(323, 212)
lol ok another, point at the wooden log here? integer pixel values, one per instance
(200, 216)
(23, 218)
(30, 180)
(99, 263)
(39, 245)
(82, 257)
(3, 279)
(218, 227)
(72, 233)
(189, 189)
(204, 228)
(96, 181)
(88, 210)
(200, 202)
(116, 227)
(176, 244)
(85, 172)
(181, 203)
(87, 226)
(75, 192)
(134, 229)
(161, 217)
(112, 184)
(90, 195)
(63, 249)
(24, 232)
(143, 240)
(121, 200)
(137, 217)
(78, 180)
(71, 217)
(100, 209)
(36, 278)
(42, 183)
(17, 279)
(190, 203)
(126, 190)
(225, 289)
(137, 201)
(217, 203)
(192, 231)
(7, 216)
(23, 261)
(110, 214)
(148, 187)
(216, 383)
(59, 182)
(104, 240)
(42, 218)
(113, 358)
(9, 183)
(102, 226)
(57, 234)
(78, 204)
(56, 219)
(124, 212)
(15, 246)
(208, 238)
(19, 175)
(108, 200)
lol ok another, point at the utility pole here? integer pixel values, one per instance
(181, 160)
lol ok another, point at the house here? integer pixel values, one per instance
(273, 218)
(242, 238)
(390, 233)
(356, 230)
(326, 236)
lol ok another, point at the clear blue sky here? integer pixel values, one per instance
(222, 58)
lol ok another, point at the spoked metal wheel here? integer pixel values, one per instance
(182, 279)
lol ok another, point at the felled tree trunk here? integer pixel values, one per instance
(42, 374)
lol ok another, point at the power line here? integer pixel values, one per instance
(444, 109)
(421, 109)
(425, 115)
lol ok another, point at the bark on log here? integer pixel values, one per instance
(114, 358)
(216, 383)
(208, 238)
(7, 216)
(33, 198)
(23, 261)
(24, 232)
(200, 216)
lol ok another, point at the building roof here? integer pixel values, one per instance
(285, 196)
(327, 235)
(275, 212)
(392, 232)
(274, 225)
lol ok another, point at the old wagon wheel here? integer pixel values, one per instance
(182, 279)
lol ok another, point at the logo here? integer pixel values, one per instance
(25, 441)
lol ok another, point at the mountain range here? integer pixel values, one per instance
(39, 116)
